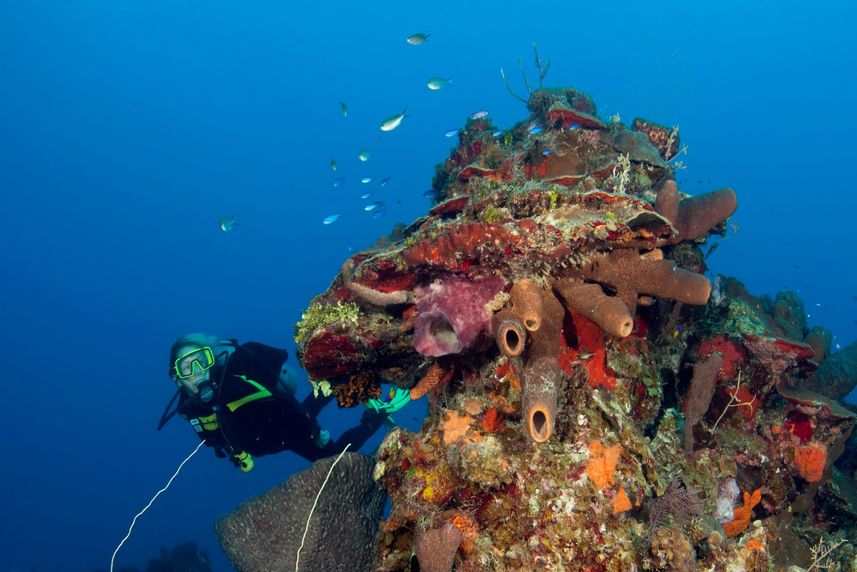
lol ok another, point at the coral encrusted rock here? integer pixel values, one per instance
(581, 369)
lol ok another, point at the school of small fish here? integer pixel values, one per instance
(387, 125)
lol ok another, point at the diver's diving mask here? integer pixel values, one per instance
(201, 359)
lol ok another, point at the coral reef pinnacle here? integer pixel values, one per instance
(595, 403)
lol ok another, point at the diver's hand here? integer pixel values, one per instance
(398, 399)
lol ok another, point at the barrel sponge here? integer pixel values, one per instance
(451, 314)
(264, 533)
(631, 275)
(609, 312)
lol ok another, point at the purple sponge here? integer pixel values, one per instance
(451, 314)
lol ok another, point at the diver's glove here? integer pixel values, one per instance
(323, 439)
(398, 399)
(243, 461)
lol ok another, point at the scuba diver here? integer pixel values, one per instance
(240, 398)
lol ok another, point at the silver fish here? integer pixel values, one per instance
(393, 121)
(226, 224)
(364, 155)
(436, 83)
(417, 39)
(330, 219)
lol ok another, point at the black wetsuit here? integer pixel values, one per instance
(252, 411)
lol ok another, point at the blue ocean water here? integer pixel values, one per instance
(127, 129)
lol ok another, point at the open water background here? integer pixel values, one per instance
(128, 128)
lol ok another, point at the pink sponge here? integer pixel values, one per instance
(451, 314)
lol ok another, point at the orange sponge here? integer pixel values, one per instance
(602, 466)
(741, 519)
(810, 460)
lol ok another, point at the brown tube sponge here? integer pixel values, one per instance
(538, 307)
(546, 340)
(667, 199)
(609, 312)
(699, 214)
(509, 332)
(694, 216)
(632, 275)
(699, 394)
(539, 399)
(526, 298)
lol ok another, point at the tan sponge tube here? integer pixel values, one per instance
(609, 312)
(541, 386)
(509, 333)
(526, 298)
(524, 314)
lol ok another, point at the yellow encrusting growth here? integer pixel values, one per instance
(319, 315)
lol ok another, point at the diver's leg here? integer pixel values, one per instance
(313, 405)
(357, 436)
(312, 452)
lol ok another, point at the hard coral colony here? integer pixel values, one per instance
(553, 308)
